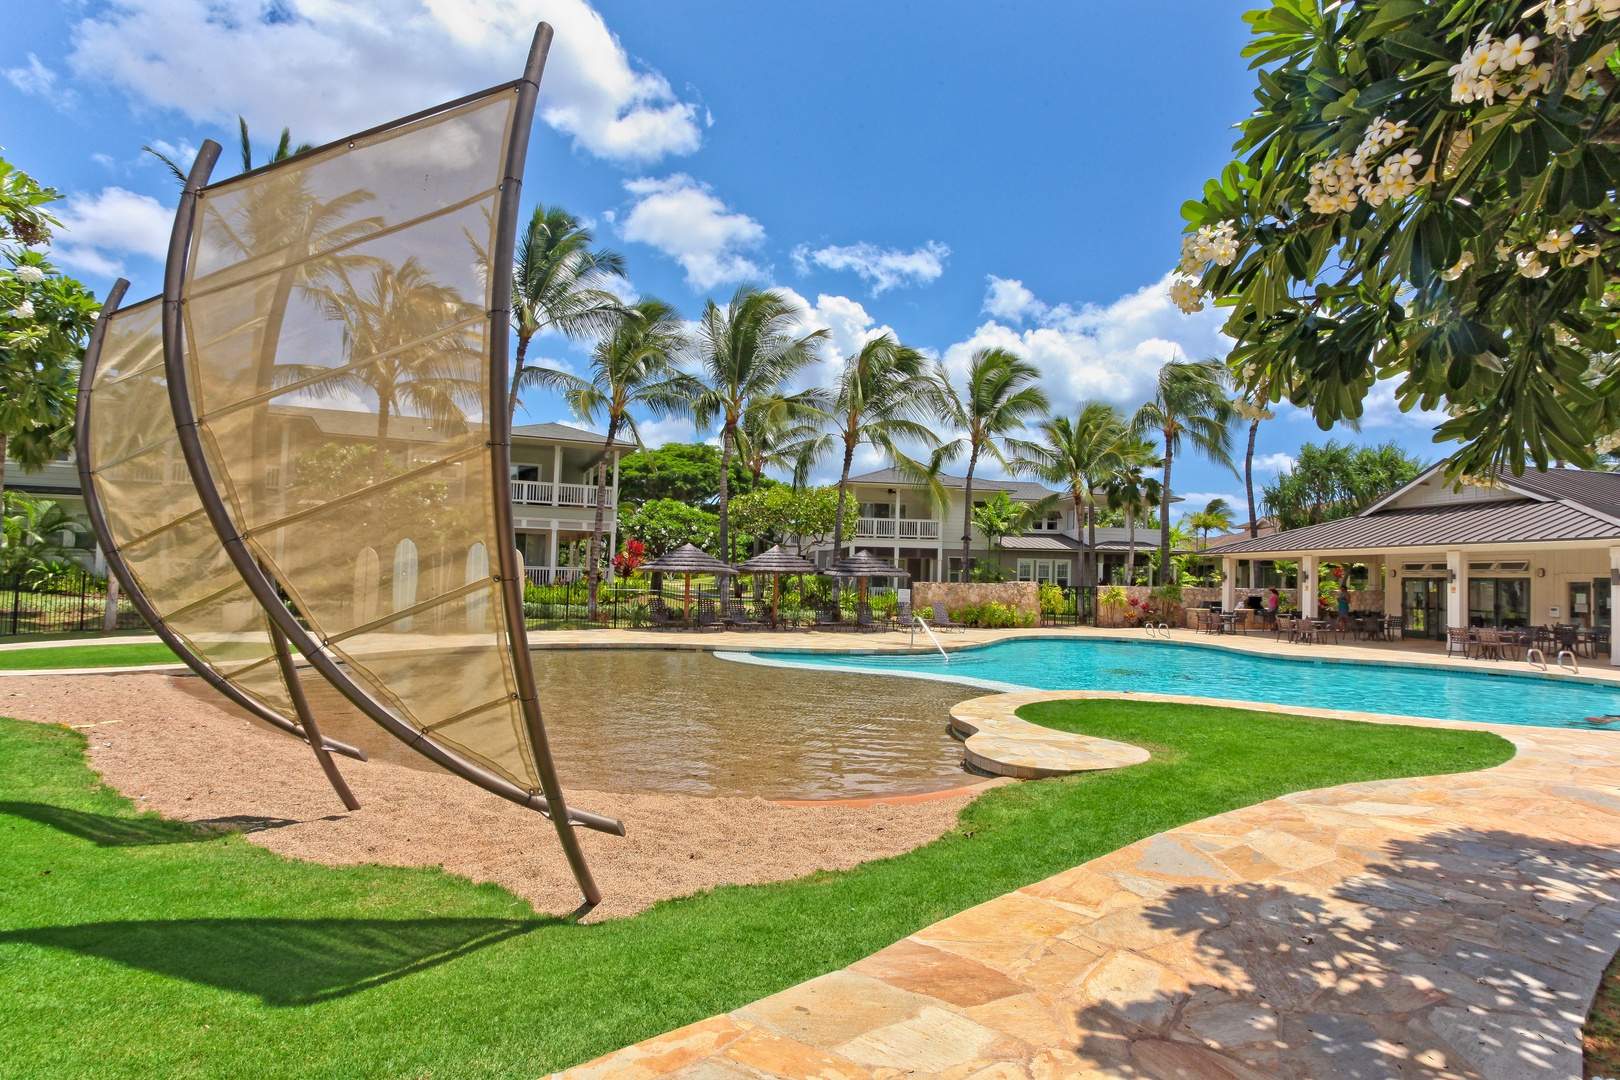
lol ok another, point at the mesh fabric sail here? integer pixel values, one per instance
(151, 523)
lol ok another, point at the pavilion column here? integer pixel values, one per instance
(1614, 579)
(1308, 606)
(1456, 589)
(1228, 584)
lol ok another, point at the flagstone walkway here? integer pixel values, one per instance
(1449, 927)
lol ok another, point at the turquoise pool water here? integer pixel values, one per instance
(1168, 668)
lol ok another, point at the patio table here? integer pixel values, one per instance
(1229, 621)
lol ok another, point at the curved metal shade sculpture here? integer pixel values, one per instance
(335, 332)
(150, 524)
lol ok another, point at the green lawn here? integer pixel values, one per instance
(86, 656)
(131, 946)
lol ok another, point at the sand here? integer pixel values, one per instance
(179, 755)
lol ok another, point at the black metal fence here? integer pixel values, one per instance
(619, 604)
(59, 603)
(1079, 606)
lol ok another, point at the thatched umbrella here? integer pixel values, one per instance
(864, 565)
(777, 562)
(686, 560)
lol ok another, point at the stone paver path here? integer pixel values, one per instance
(998, 742)
(1449, 927)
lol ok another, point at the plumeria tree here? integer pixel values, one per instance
(45, 320)
(1425, 193)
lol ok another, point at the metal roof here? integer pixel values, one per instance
(563, 433)
(1457, 525)
(1041, 543)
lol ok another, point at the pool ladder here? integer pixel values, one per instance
(1536, 658)
(1162, 630)
(917, 620)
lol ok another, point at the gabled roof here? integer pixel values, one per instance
(563, 433)
(1022, 490)
(1499, 522)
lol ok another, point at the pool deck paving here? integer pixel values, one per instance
(1444, 927)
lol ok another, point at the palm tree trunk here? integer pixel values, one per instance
(1248, 476)
(727, 443)
(1091, 536)
(1130, 543)
(2, 467)
(593, 557)
(1085, 545)
(967, 517)
(1164, 516)
(517, 372)
(838, 516)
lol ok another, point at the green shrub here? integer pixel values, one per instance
(991, 615)
(1054, 601)
(1113, 596)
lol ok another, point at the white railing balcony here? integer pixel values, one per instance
(553, 575)
(545, 493)
(897, 529)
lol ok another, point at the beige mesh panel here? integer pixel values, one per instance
(156, 519)
(338, 359)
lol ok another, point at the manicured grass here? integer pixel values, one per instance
(131, 946)
(1602, 1033)
(86, 656)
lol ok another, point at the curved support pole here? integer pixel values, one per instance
(500, 445)
(119, 570)
(295, 691)
(236, 548)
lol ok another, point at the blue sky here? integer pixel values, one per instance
(965, 175)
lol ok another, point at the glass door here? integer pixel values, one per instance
(1423, 604)
(1580, 603)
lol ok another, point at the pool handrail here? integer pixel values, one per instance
(918, 620)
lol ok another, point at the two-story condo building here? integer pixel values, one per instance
(900, 524)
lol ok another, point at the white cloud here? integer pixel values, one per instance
(882, 268)
(36, 78)
(683, 219)
(329, 67)
(1194, 501)
(98, 229)
(1274, 463)
(849, 324)
(1007, 298)
(1111, 352)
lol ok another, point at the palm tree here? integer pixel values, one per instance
(284, 149)
(1252, 406)
(1216, 516)
(1134, 492)
(558, 284)
(1189, 403)
(747, 353)
(1078, 456)
(996, 400)
(632, 367)
(874, 404)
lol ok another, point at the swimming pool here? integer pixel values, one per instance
(1170, 668)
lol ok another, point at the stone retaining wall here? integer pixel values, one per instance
(1023, 596)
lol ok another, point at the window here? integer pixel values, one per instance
(1026, 569)
(1043, 570)
(876, 510)
(1498, 601)
(1060, 574)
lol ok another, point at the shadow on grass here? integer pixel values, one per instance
(105, 830)
(282, 962)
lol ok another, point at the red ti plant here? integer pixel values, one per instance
(630, 559)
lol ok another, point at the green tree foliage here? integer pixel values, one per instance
(40, 538)
(1336, 481)
(665, 524)
(802, 517)
(1425, 193)
(1079, 456)
(1216, 516)
(45, 320)
(686, 472)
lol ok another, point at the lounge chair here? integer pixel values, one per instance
(942, 620)
(864, 619)
(829, 618)
(707, 617)
(659, 615)
(737, 617)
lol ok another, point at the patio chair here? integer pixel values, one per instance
(864, 619)
(1488, 643)
(737, 618)
(1283, 624)
(828, 618)
(1459, 640)
(659, 615)
(942, 621)
(1206, 621)
(1394, 626)
(707, 617)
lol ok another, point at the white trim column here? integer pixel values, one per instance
(1309, 605)
(1614, 576)
(553, 549)
(613, 545)
(1228, 583)
(556, 489)
(1456, 589)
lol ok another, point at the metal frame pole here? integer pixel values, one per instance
(295, 690)
(500, 445)
(118, 570)
(236, 548)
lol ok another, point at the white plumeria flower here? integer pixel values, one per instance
(1517, 51)
(1401, 187)
(1504, 250)
(1530, 265)
(1186, 294)
(1608, 10)
(1555, 241)
(24, 310)
(30, 274)
(1585, 253)
(1403, 163)
(1538, 76)
(1459, 268)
